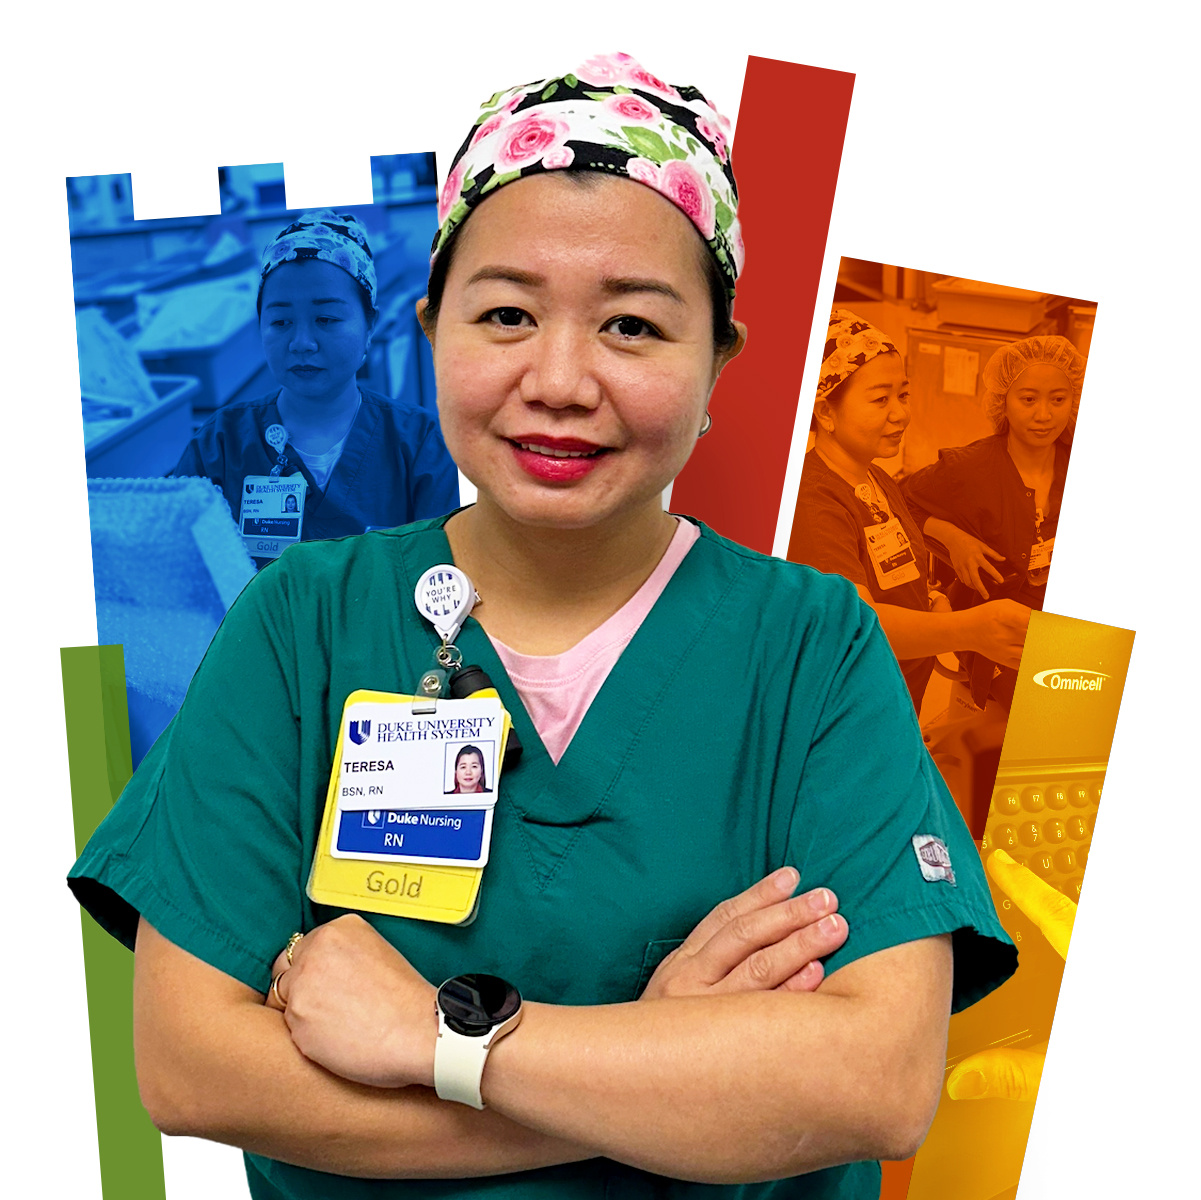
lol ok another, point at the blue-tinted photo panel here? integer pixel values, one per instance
(235, 364)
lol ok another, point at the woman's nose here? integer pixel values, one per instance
(303, 338)
(560, 372)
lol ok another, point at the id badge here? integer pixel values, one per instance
(272, 513)
(408, 815)
(891, 554)
(1040, 554)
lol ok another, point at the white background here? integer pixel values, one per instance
(1043, 145)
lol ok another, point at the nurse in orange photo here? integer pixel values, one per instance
(993, 506)
(852, 518)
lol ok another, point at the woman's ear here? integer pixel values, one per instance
(725, 356)
(736, 349)
(427, 326)
(823, 415)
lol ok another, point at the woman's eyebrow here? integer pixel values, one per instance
(625, 286)
(321, 300)
(506, 275)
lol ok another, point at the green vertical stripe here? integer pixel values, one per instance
(131, 1151)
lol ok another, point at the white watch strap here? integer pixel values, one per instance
(459, 1066)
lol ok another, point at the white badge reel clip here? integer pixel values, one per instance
(277, 438)
(444, 597)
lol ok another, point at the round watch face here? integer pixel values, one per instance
(475, 1004)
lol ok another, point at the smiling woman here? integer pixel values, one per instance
(596, 345)
(359, 459)
(642, 899)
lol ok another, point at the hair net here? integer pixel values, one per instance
(1002, 370)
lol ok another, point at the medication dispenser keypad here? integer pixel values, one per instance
(1045, 821)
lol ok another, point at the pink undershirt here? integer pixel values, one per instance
(557, 689)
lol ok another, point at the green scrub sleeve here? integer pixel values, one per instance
(204, 840)
(870, 788)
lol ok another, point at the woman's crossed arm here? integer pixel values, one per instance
(729, 1069)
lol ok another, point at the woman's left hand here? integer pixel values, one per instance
(356, 1007)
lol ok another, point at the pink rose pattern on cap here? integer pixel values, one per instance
(610, 115)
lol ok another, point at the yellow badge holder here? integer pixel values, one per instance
(448, 894)
(426, 893)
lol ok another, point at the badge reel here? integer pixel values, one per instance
(405, 831)
(444, 597)
(276, 437)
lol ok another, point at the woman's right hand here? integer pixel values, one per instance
(969, 557)
(763, 939)
(1000, 630)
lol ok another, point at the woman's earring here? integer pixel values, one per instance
(706, 426)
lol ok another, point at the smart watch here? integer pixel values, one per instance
(474, 1012)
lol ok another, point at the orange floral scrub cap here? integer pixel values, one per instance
(851, 343)
(332, 237)
(613, 115)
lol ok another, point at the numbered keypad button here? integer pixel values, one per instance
(1033, 799)
(1028, 834)
(1006, 803)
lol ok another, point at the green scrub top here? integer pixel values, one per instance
(758, 718)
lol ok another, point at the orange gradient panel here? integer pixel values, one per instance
(963, 442)
(1038, 834)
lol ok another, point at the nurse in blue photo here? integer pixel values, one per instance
(366, 460)
(729, 904)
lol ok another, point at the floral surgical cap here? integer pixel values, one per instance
(612, 115)
(851, 343)
(332, 237)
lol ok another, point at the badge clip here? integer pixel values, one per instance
(431, 686)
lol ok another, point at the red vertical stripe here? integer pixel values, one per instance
(787, 147)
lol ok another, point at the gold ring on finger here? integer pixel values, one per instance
(292, 941)
(275, 989)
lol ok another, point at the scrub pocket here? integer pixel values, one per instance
(654, 954)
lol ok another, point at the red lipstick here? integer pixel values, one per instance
(556, 459)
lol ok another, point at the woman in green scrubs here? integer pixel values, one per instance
(681, 1035)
